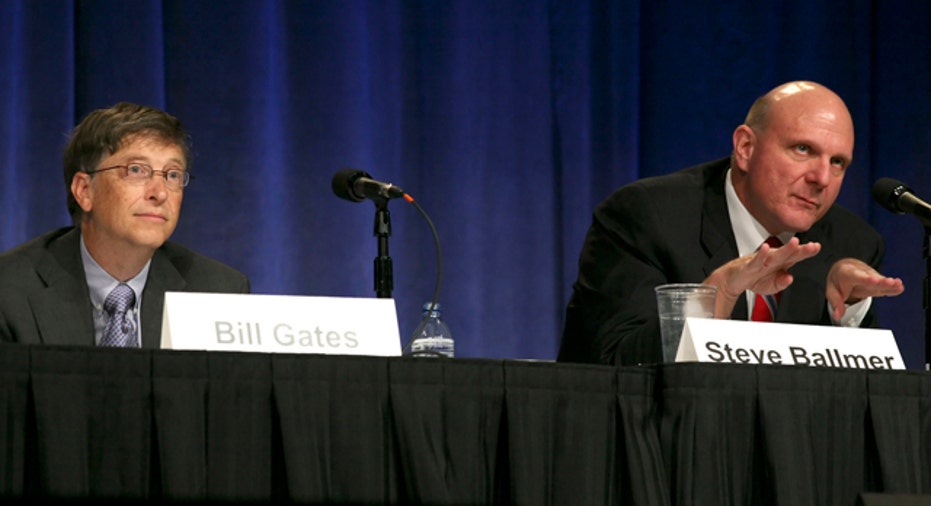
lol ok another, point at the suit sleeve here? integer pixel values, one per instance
(875, 259)
(847, 236)
(611, 317)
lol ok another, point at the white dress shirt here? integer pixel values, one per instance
(750, 234)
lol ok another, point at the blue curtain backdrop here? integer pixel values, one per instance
(508, 121)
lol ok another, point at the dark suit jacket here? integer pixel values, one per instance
(676, 229)
(44, 296)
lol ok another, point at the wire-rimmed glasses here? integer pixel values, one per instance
(140, 173)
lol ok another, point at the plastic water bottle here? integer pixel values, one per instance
(433, 336)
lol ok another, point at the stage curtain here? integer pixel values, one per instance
(507, 121)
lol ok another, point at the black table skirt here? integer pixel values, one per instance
(199, 426)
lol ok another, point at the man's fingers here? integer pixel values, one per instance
(769, 260)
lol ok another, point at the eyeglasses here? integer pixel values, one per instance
(139, 174)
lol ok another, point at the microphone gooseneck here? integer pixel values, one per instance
(355, 186)
(439, 273)
(897, 197)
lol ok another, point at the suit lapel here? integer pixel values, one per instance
(163, 277)
(63, 311)
(804, 299)
(717, 236)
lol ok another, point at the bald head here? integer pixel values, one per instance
(794, 98)
(790, 155)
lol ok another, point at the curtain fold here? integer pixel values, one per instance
(814, 428)
(709, 434)
(642, 477)
(93, 422)
(88, 423)
(15, 421)
(239, 427)
(895, 415)
(507, 121)
(447, 417)
(561, 424)
(179, 393)
(334, 417)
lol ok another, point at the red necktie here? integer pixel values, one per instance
(764, 306)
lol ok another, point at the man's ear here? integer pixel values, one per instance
(744, 142)
(83, 191)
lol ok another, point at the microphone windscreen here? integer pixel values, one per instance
(342, 184)
(887, 192)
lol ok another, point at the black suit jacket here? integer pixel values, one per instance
(44, 296)
(676, 229)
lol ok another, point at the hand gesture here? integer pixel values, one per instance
(764, 271)
(851, 280)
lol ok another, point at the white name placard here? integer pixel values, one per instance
(280, 323)
(744, 342)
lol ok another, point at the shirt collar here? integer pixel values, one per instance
(748, 232)
(100, 283)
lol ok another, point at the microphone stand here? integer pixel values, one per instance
(384, 280)
(926, 295)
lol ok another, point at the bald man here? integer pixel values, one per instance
(709, 223)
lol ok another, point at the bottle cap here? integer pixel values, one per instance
(426, 306)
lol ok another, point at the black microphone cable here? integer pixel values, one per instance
(439, 274)
(344, 186)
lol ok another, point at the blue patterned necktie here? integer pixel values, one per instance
(121, 323)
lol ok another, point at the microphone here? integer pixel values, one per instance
(897, 197)
(357, 185)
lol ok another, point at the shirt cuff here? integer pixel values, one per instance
(854, 314)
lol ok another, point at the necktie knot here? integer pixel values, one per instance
(119, 299)
(121, 324)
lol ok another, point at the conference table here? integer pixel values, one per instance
(197, 426)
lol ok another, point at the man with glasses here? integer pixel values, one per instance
(102, 281)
